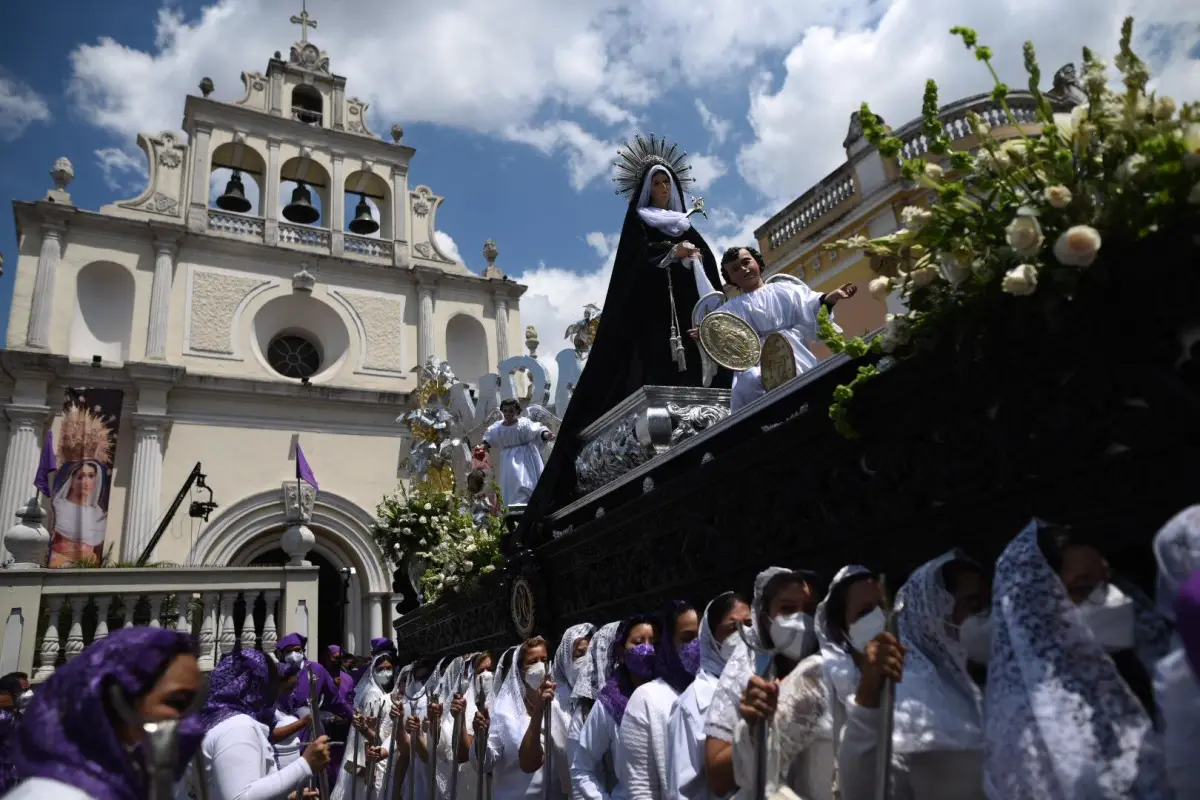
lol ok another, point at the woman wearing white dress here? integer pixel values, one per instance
(421, 704)
(236, 760)
(371, 731)
(685, 731)
(285, 735)
(780, 621)
(569, 660)
(598, 762)
(938, 741)
(513, 728)
(643, 739)
(593, 673)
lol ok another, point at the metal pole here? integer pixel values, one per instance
(764, 667)
(434, 735)
(548, 752)
(887, 707)
(388, 773)
(371, 767)
(317, 729)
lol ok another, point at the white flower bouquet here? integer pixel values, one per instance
(1023, 221)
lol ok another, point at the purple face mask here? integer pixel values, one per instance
(689, 656)
(639, 660)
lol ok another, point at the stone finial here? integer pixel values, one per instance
(491, 253)
(206, 86)
(28, 540)
(303, 281)
(397, 133)
(63, 173)
(531, 340)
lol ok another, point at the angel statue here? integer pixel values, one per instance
(582, 334)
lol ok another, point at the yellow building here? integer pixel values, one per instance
(865, 195)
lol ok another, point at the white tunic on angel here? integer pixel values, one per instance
(520, 460)
(781, 306)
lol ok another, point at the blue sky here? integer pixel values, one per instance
(516, 107)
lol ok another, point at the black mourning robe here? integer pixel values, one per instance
(633, 344)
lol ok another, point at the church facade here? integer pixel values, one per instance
(273, 288)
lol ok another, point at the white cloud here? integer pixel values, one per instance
(447, 246)
(518, 71)
(20, 107)
(605, 244)
(705, 171)
(800, 125)
(718, 127)
(123, 171)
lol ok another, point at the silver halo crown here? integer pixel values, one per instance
(635, 157)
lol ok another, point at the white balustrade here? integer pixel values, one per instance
(235, 224)
(304, 236)
(365, 246)
(87, 604)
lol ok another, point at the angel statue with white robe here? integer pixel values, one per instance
(783, 305)
(520, 463)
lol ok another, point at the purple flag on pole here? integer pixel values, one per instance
(47, 466)
(303, 470)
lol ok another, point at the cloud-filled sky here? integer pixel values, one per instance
(517, 107)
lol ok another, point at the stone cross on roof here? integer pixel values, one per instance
(303, 21)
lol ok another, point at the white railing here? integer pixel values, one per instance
(235, 224)
(221, 606)
(303, 235)
(916, 144)
(813, 205)
(365, 246)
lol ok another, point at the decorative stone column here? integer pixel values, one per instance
(197, 218)
(160, 298)
(376, 616)
(145, 484)
(297, 540)
(337, 203)
(502, 326)
(425, 322)
(43, 288)
(268, 197)
(400, 216)
(25, 426)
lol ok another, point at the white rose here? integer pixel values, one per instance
(981, 129)
(1077, 246)
(934, 172)
(955, 270)
(915, 217)
(880, 287)
(468, 566)
(896, 332)
(922, 277)
(1164, 108)
(487, 569)
(407, 531)
(1058, 196)
(422, 541)
(1024, 235)
(423, 520)
(1130, 167)
(1014, 149)
(428, 506)
(1021, 280)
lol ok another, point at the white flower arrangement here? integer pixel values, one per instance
(1026, 217)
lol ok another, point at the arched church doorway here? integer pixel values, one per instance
(331, 597)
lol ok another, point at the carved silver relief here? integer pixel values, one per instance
(687, 421)
(611, 455)
(648, 485)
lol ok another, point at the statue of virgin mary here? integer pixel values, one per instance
(663, 267)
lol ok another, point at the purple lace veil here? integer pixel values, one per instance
(667, 664)
(617, 689)
(67, 733)
(244, 682)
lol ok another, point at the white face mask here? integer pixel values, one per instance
(486, 681)
(535, 675)
(1112, 617)
(294, 657)
(790, 634)
(975, 635)
(866, 628)
(729, 646)
(384, 677)
(24, 700)
(575, 666)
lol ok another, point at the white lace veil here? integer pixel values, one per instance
(1061, 722)
(370, 700)
(564, 671)
(837, 665)
(1177, 550)
(938, 706)
(595, 669)
(670, 220)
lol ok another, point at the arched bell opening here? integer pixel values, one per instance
(304, 192)
(308, 106)
(235, 180)
(368, 206)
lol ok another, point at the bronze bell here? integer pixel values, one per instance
(363, 223)
(301, 210)
(234, 198)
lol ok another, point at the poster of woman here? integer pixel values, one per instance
(86, 447)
